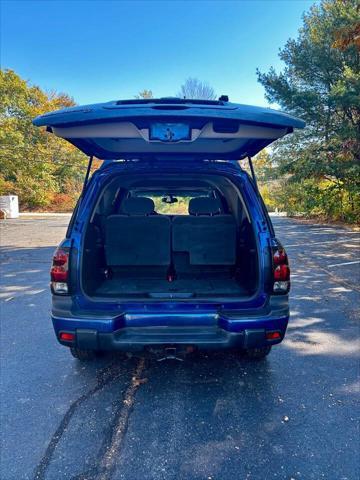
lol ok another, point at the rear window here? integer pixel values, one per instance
(170, 207)
(171, 203)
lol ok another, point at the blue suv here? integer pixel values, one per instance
(170, 247)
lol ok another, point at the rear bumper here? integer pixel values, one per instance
(136, 339)
(207, 330)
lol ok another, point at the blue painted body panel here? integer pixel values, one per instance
(113, 111)
(107, 324)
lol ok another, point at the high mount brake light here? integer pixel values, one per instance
(281, 271)
(59, 271)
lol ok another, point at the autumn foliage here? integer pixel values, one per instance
(43, 170)
(317, 171)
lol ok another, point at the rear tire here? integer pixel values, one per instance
(258, 353)
(83, 355)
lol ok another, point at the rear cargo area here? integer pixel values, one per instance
(158, 287)
(169, 238)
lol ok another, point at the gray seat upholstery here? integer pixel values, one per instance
(137, 206)
(135, 237)
(208, 236)
(204, 206)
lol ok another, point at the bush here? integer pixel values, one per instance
(325, 199)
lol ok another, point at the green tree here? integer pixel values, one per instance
(42, 169)
(321, 83)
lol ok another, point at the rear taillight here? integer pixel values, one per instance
(60, 270)
(281, 271)
(280, 257)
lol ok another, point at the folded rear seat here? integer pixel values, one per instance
(136, 237)
(206, 236)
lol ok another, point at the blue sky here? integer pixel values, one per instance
(105, 50)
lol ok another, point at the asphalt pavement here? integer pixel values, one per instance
(211, 417)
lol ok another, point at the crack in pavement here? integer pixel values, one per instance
(108, 461)
(109, 453)
(104, 377)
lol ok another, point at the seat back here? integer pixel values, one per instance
(136, 237)
(207, 236)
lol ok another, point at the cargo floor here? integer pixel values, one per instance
(147, 286)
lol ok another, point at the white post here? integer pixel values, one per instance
(10, 205)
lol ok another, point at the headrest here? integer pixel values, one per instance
(204, 206)
(137, 206)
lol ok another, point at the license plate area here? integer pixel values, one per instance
(169, 132)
